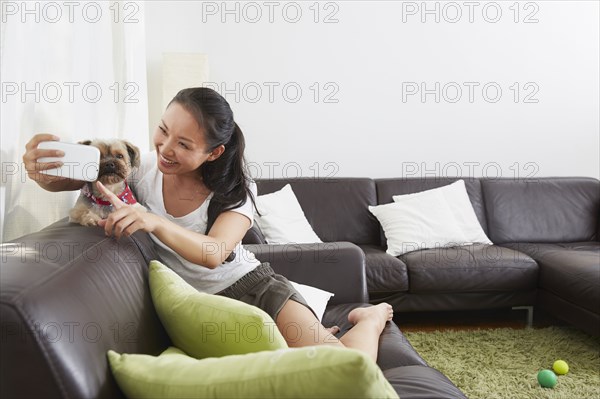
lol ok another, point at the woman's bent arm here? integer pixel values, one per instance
(207, 250)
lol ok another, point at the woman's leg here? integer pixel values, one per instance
(300, 327)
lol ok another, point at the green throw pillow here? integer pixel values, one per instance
(308, 372)
(206, 325)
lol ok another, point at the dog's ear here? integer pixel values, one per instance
(134, 154)
(86, 142)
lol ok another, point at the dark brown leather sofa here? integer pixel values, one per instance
(68, 294)
(545, 231)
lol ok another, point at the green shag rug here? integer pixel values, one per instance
(503, 363)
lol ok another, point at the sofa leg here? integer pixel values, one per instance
(529, 314)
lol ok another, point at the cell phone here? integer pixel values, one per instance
(80, 162)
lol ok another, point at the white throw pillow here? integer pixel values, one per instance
(458, 200)
(316, 298)
(418, 222)
(282, 220)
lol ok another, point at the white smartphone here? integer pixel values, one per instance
(80, 162)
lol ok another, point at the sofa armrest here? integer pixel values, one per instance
(337, 267)
(254, 236)
(68, 294)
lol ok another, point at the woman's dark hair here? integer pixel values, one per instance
(226, 176)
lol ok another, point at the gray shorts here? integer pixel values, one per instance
(264, 289)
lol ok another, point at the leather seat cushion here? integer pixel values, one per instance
(570, 271)
(470, 268)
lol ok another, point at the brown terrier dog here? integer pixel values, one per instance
(117, 160)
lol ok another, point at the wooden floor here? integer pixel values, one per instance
(472, 320)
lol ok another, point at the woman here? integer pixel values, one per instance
(200, 204)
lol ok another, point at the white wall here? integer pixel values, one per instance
(368, 58)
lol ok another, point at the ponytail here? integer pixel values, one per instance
(227, 178)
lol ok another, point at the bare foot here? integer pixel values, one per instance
(378, 315)
(333, 330)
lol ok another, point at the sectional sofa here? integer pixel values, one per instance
(545, 232)
(68, 293)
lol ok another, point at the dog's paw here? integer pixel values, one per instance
(89, 221)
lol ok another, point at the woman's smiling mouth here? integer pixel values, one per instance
(166, 161)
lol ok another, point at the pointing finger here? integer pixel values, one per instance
(110, 196)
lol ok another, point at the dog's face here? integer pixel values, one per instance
(117, 159)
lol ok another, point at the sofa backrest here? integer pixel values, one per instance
(336, 208)
(548, 209)
(68, 294)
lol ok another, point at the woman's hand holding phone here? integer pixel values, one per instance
(35, 170)
(32, 154)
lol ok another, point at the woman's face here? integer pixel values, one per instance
(179, 142)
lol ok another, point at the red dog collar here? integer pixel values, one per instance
(126, 196)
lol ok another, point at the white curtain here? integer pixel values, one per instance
(77, 70)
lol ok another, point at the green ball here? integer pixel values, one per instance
(560, 367)
(547, 378)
